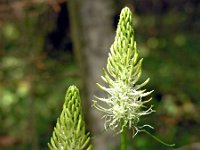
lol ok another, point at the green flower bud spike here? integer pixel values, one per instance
(125, 97)
(70, 132)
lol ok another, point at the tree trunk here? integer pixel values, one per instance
(98, 36)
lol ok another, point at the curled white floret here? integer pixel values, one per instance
(125, 106)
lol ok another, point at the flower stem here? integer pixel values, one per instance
(123, 139)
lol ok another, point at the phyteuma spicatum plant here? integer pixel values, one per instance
(70, 132)
(125, 99)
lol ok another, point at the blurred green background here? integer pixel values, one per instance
(41, 55)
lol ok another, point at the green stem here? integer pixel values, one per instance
(123, 139)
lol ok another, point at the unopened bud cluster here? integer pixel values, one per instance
(70, 132)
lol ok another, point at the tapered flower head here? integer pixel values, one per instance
(125, 103)
(70, 132)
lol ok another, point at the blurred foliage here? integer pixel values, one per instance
(32, 83)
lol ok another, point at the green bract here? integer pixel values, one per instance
(124, 102)
(69, 133)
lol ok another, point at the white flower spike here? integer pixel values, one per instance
(125, 104)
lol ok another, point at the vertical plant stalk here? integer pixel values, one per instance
(123, 139)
